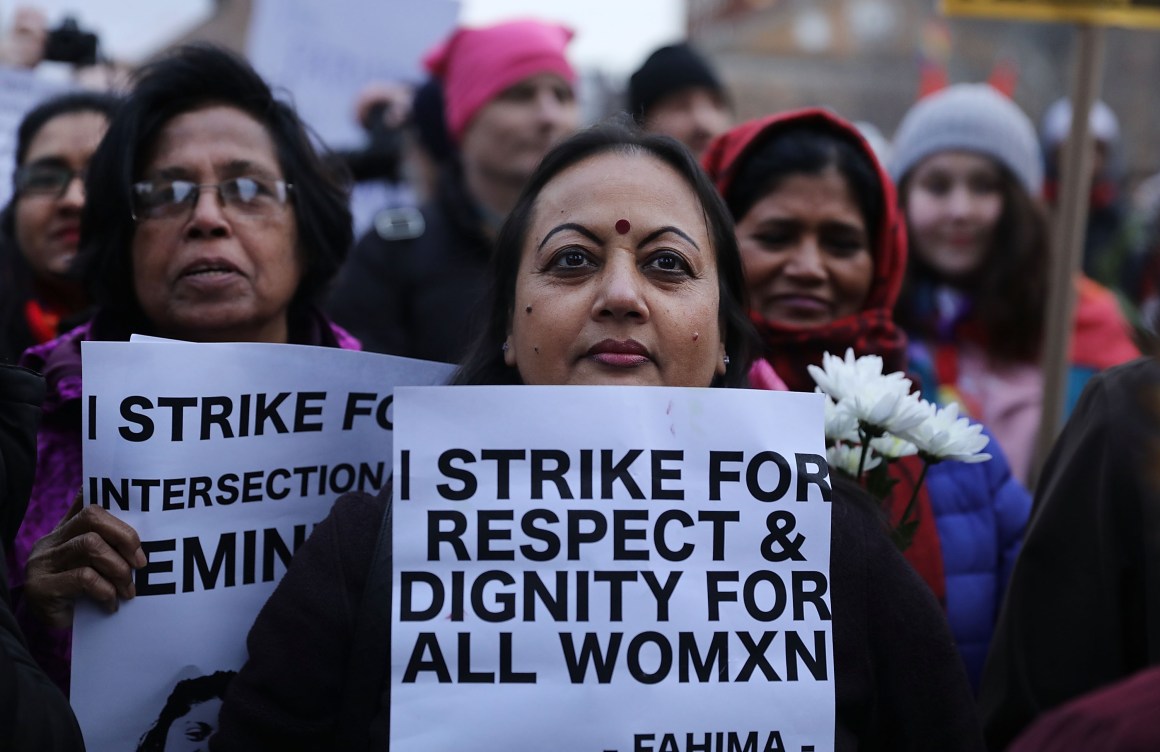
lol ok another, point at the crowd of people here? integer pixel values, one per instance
(195, 205)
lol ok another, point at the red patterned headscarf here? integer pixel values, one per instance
(871, 331)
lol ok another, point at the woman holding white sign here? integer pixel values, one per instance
(210, 218)
(617, 267)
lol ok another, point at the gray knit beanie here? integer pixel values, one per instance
(974, 118)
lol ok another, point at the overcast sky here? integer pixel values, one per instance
(612, 35)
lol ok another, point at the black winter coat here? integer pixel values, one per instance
(418, 297)
(34, 715)
(1083, 607)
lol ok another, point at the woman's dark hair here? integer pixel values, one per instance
(484, 362)
(806, 150)
(429, 121)
(1010, 286)
(186, 694)
(52, 108)
(191, 78)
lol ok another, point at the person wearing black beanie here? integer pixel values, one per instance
(676, 93)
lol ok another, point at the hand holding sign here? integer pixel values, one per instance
(90, 553)
(206, 467)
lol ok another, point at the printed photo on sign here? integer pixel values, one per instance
(189, 717)
(646, 567)
(223, 458)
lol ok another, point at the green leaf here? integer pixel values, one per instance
(879, 484)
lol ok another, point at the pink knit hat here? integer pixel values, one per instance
(475, 65)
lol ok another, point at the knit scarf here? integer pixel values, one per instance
(43, 321)
(790, 349)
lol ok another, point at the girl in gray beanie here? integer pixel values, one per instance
(968, 167)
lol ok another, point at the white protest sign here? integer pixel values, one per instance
(592, 569)
(222, 457)
(325, 53)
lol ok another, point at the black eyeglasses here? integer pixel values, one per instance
(46, 179)
(247, 197)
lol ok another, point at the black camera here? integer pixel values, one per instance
(382, 157)
(68, 43)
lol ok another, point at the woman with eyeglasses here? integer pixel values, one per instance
(40, 227)
(210, 218)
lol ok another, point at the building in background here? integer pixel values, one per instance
(869, 59)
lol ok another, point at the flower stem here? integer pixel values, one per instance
(865, 440)
(913, 495)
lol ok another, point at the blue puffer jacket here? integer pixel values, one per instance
(980, 511)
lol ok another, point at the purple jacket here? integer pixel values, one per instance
(58, 465)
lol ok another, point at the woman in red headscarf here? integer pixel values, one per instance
(824, 253)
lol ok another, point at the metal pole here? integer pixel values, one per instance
(1070, 224)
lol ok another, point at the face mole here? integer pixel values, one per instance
(696, 336)
(528, 309)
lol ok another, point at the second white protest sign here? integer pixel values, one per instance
(600, 568)
(223, 458)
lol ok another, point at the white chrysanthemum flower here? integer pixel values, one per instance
(887, 403)
(842, 377)
(845, 457)
(874, 398)
(893, 448)
(841, 425)
(944, 435)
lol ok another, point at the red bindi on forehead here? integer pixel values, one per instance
(623, 226)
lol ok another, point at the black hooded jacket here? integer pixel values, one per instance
(34, 715)
(418, 296)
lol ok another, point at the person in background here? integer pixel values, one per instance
(34, 715)
(576, 300)
(28, 41)
(1144, 269)
(676, 93)
(210, 218)
(431, 148)
(40, 227)
(1119, 717)
(412, 288)
(1106, 248)
(824, 253)
(22, 44)
(1078, 640)
(407, 151)
(377, 167)
(966, 161)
